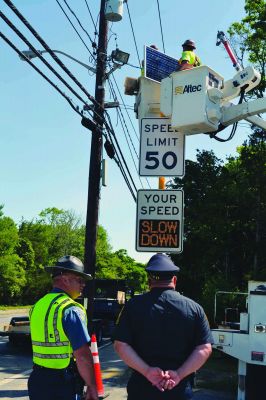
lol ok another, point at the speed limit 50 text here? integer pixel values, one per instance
(161, 149)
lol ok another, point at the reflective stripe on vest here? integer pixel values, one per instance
(50, 345)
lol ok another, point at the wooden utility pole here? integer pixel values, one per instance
(95, 162)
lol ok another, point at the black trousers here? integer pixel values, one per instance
(50, 384)
(139, 388)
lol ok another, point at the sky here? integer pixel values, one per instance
(45, 151)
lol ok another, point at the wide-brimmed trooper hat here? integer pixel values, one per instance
(68, 264)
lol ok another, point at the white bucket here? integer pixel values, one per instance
(114, 10)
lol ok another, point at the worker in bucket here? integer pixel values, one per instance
(188, 58)
(163, 336)
(59, 335)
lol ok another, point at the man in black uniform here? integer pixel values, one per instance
(163, 336)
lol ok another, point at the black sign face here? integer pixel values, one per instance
(159, 233)
(158, 65)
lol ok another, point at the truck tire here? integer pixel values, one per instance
(255, 381)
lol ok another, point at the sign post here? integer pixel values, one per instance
(160, 221)
(161, 149)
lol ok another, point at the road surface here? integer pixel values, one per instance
(16, 364)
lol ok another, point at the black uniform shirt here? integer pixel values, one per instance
(163, 327)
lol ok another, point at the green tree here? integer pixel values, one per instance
(204, 217)
(53, 233)
(12, 274)
(252, 173)
(224, 221)
(249, 37)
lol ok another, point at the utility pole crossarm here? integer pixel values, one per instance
(242, 111)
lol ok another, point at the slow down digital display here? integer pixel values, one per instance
(159, 233)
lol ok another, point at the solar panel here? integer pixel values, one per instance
(158, 65)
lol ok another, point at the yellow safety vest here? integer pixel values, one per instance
(191, 58)
(50, 345)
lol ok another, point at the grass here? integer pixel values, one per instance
(5, 308)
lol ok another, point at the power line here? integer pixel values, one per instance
(124, 126)
(80, 24)
(121, 97)
(53, 55)
(95, 27)
(119, 163)
(130, 122)
(40, 72)
(119, 109)
(22, 37)
(134, 66)
(159, 12)
(112, 132)
(133, 32)
(126, 180)
(92, 55)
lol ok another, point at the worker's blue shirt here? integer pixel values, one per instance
(163, 327)
(74, 324)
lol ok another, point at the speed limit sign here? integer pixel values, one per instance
(161, 149)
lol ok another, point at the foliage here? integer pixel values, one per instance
(12, 274)
(24, 251)
(225, 216)
(249, 37)
(224, 238)
(13, 278)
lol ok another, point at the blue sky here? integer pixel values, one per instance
(44, 149)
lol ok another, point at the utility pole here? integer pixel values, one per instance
(95, 163)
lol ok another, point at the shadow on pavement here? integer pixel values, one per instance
(12, 394)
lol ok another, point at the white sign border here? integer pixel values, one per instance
(161, 249)
(141, 152)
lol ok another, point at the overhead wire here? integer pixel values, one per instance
(95, 27)
(118, 161)
(119, 108)
(78, 21)
(121, 97)
(54, 56)
(113, 135)
(75, 108)
(112, 34)
(124, 127)
(108, 127)
(92, 55)
(125, 1)
(159, 12)
(31, 47)
(41, 73)
(126, 180)
(134, 66)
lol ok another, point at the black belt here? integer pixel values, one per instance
(36, 366)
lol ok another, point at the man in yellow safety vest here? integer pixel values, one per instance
(188, 58)
(59, 335)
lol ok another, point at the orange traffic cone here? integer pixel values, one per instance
(97, 366)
